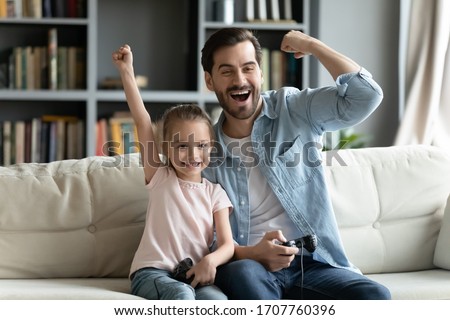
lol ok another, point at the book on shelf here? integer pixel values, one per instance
(32, 8)
(71, 66)
(53, 58)
(61, 137)
(279, 69)
(3, 9)
(101, 145)
(27, 145)
(6, 143)
(116, 83)
(274, 10)
(62, 68)
(262, 10)
(43, 8)
(47, 11)
(250, 10)
(223, 10)
(19, 143)
(42, 139)
(35, 140)
(28, 68)
(117, 135)
(18, 8)
(286, 9)
(265, 67)
(123, 135)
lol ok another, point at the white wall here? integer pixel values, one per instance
(366, 31)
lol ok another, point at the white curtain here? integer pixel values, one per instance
(424, 73)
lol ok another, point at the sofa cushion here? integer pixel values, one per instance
(430, 284)
(389, 203)
(62, 289)
(442, 252)
(71, 218)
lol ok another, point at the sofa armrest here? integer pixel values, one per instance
(442, 252)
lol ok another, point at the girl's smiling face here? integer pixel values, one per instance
(189, 148)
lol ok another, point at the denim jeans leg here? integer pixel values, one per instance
(322, 281)
(247, 280)
(210, 292)
(155, 284)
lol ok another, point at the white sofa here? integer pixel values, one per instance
(69, 229)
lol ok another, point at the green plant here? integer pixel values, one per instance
(344, 139)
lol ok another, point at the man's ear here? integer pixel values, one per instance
(208, 81)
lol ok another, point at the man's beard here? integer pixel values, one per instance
(240, 113)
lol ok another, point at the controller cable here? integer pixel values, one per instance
(302, 270)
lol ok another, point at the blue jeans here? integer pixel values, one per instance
(249, 280)
(156, 284)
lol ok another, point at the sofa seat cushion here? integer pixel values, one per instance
(431, 284)
(66, 289)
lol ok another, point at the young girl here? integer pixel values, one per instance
(184, 210)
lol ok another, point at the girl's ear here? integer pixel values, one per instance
(208, 81)
(164, 153)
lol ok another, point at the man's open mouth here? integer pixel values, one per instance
(240, 95)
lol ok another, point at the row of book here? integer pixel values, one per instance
(116, 135)
(229, 11)
(43, 8)
(40, 140)
(55, 137)
(280, 69)
(44, 67)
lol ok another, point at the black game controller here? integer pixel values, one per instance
(308, 242)
(179, 273)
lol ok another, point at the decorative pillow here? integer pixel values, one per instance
(442, 252)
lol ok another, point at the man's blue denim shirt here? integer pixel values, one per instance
(287, 142)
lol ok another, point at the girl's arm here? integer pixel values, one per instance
(123, 59)
(205, 270)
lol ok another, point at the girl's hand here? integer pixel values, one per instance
(204, 272)
(123, 57)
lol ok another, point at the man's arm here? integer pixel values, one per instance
(301, 44)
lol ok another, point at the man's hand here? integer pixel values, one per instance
(298, 43)
(271, 255)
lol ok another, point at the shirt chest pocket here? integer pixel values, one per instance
(298, 162)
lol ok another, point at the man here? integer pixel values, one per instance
(269, 164)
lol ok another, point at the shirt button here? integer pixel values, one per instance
(242, 202)
(241, 236)
(238, 169)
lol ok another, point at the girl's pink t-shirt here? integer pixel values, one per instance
(179, 221)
